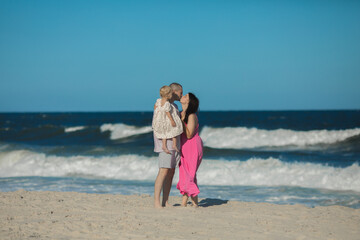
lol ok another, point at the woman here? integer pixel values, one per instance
(191, 150)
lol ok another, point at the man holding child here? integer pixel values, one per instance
(167, 159)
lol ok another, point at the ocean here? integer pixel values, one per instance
(281, 157)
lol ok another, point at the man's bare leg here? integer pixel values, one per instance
(159, 183)
(167, 187)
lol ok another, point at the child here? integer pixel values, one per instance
(166, 123)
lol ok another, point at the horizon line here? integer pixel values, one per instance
(137, 111)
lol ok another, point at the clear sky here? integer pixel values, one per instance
(234, 55)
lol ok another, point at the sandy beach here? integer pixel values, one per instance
(70, 215)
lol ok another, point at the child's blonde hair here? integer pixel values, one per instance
(165, 92)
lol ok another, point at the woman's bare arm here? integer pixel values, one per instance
(191, 125)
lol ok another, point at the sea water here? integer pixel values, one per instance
(283, 157)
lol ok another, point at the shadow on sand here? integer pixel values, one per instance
(209, 202)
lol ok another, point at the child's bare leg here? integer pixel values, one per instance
(164, 146)
(184, 200)
(174, 140)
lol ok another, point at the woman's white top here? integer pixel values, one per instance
(161, 123)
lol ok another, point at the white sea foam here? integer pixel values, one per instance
(4, 146)
(253, 172)
(286, 198)
(27, 163)
(273, 172)
(121, 130)
(74, 129)
(241, 137)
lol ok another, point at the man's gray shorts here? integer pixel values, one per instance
(169, 160)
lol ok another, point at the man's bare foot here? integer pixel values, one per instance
(158, 206)
(165, 149)
(168, 205)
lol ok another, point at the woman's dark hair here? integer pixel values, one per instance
(193, 106)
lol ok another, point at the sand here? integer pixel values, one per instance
(69, 215)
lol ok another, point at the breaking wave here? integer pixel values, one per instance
(121, 130)
(254, 171)
(74, 129)
(242, 138)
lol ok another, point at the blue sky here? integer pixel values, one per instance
(234, 55)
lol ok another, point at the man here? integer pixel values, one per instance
(167, 162)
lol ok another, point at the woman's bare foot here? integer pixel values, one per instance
(184, 200)
(194, 201)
